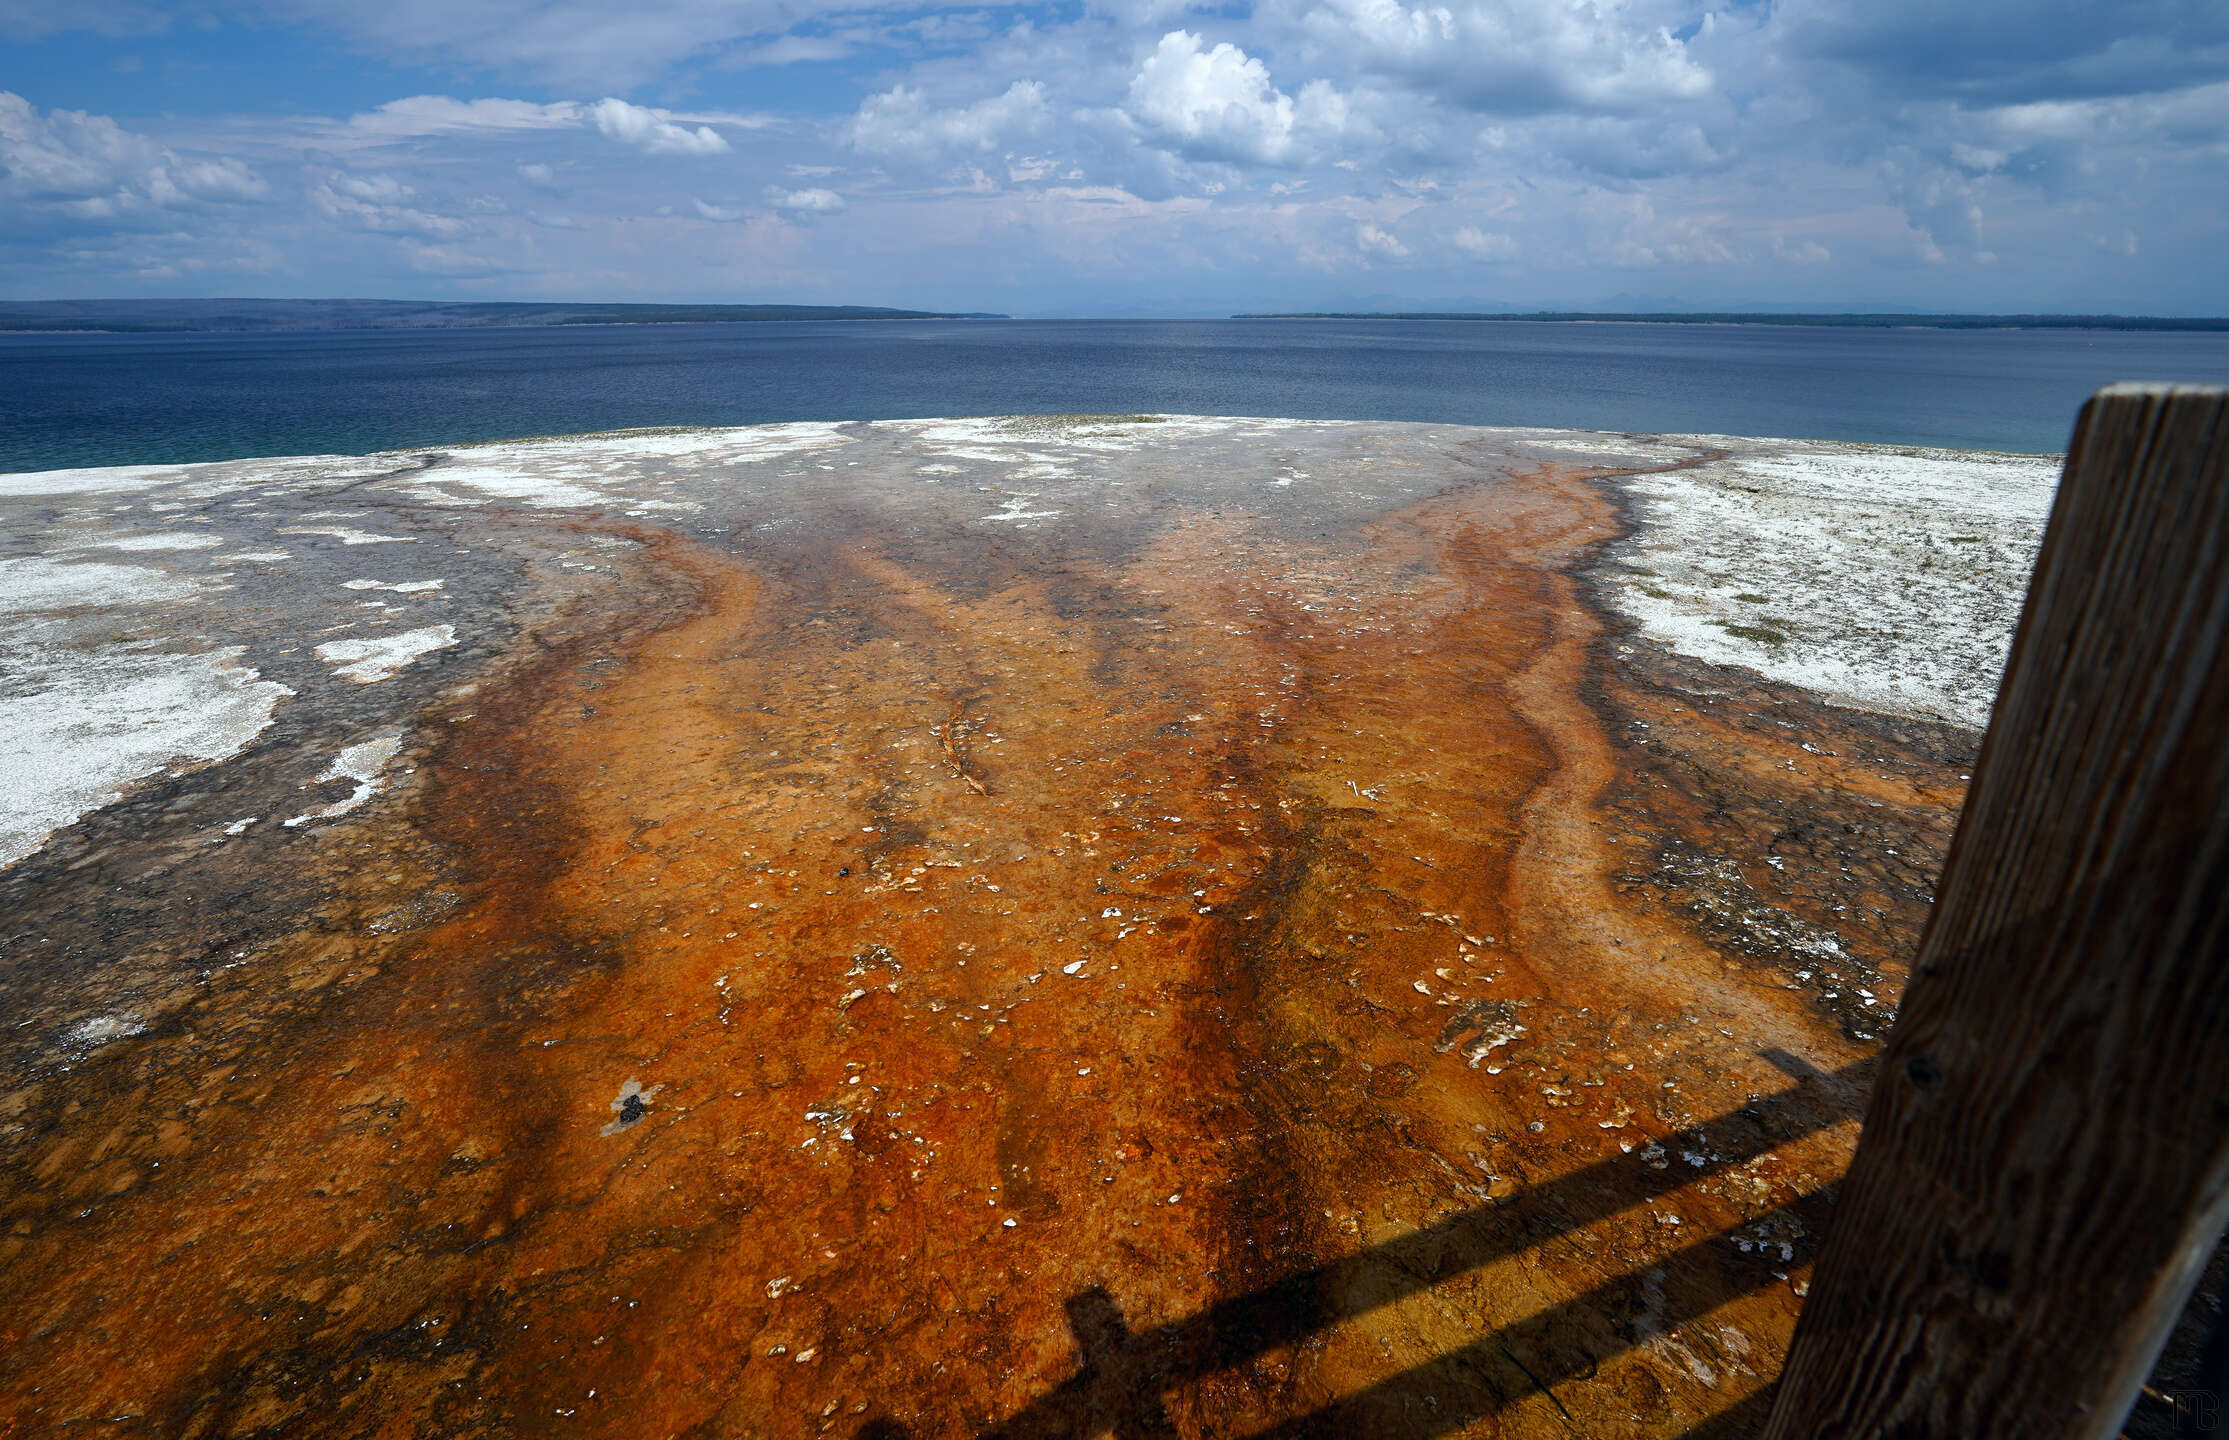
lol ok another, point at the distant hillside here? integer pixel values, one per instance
(155, 316)
(1878, 322)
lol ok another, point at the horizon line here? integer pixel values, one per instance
(556, 312)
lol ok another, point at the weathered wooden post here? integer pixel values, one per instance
(2045, 1161)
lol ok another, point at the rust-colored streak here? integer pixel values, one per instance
(871, 995)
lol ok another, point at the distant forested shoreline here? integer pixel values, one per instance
(1732, 317)
(184, 316)
(277, 316)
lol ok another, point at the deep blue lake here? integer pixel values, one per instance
(70, 400)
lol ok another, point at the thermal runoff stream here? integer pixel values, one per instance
(1033, 927)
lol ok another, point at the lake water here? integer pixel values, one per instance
(70, 400)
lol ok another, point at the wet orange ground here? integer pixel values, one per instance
(1268, 986)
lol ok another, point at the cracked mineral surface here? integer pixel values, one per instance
(1029, 926)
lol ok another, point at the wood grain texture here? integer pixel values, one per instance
(2045, 1161)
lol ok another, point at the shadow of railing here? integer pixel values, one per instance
(1744, 1421)
(1122, 1374)
(1454, 1389)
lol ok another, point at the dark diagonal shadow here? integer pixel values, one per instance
(1457, 1388)
(1122, 1374)
(1745, 1421)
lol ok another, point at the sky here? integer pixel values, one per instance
(1125, 157)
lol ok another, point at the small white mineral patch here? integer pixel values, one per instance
(91, 1034)
(166, 540)
(1885, 578)
(90, 481)
(378, 657)
(81, 728)
(347, 535)
(363, 763)
(595, 470)
(1017, 508)
(37, 583)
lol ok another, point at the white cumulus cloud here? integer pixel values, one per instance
(1379, 244)
(568, 43)
(815, 201)
(420, 116)
(1219, 104)
(654, 130)
(372, 189)
(1517, 57)
(362, 204)
(902, 122)
(1485, 244)
(87, 167)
